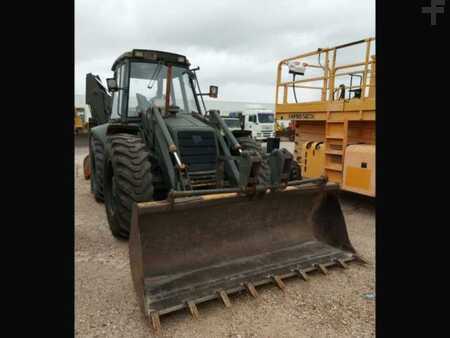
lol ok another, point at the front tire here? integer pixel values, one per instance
(128, 180)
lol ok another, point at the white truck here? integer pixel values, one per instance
(261, 122)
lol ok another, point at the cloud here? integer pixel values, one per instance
(237, 44)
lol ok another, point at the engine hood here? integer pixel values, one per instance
(186, 122)
(197, 145)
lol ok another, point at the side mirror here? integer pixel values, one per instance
(213, 91)
(112, 84)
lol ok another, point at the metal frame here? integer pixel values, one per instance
(330, 72)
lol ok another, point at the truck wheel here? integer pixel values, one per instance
(97, 158)
(128, 179)
(249, 143)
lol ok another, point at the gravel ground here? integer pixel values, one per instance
(325, 306)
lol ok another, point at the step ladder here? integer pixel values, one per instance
(335, 144)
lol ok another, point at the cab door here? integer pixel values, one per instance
(252, 124)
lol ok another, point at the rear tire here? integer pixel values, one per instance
(249, 143)
(97, 156)
(128, 179)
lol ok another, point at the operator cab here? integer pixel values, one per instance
(140, 82)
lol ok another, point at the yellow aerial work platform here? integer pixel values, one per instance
(330, 96)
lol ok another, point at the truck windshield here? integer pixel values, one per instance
(265, 118)
(232, 123)
(148, 87)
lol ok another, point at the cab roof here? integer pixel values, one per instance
(152, 56)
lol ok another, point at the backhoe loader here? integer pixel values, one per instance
(207, 212)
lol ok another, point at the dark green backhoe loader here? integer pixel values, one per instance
(207, 212)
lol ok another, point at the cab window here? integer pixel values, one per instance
(119, 100)
(115, 102)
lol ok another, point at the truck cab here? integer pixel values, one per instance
(260, 122)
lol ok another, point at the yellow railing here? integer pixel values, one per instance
(330, 71)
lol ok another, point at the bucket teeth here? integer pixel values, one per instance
(251, 289)
(322, 268)
(302, 274)
(223, 295)
(193, 309)
(341, 263)
(156, 324)
(360, 260)
(279, 282)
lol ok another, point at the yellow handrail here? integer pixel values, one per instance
(330, 71)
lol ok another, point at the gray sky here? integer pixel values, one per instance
(237, 44)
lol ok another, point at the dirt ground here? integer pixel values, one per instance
(325, 306)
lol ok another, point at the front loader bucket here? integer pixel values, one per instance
(201, 248)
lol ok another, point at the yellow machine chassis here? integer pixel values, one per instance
(337, 123)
